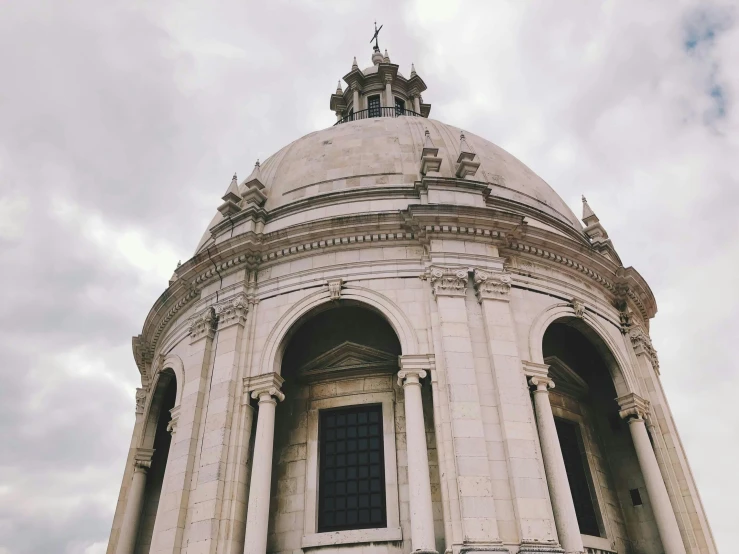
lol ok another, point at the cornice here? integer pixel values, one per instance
(417, 224)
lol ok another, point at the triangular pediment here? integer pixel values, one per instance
(348, 359)
(566, 380)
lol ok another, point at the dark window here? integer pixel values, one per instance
(569, 442)
(399, 106)
(635, 497)
(373, 105)
(351, 114)
(351, 483)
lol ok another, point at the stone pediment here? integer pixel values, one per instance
(346, 360)
(566, 380)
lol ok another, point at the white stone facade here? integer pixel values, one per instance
(479, 269)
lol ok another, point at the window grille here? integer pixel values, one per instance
(373, 105)
(351, 484)
(399, 106)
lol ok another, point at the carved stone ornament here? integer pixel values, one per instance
(632, 405)
(232, 311)
(448, 281)
(541, 383)
(578, 307)
(489, 285)
(626, 317)
(411, 376)
(643, 345)
(203, 324)
(140, 401)
(334, 288)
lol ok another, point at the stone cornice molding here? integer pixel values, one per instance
(416, 225)
(414, 362)
(491, 285)
(642, 345)
(633, 406)
(447, 281)
(270, 383)
(532, 369)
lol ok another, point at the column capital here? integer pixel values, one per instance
(642, 345)
(203, 324)
(542, 384)
(142, 459)
(447, 281)
(232, 311)
(414, 367)
(633, 406)
(491, 285)
(269, 383)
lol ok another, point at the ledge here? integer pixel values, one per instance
(355, 536)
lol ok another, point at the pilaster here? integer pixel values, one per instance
(474, 484)
(528, 486)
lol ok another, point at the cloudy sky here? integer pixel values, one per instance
(121, 124)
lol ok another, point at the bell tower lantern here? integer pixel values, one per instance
(379, 90)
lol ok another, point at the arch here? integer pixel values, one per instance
(152, 412)
(271, 360)
(618, 366)
(174, 362)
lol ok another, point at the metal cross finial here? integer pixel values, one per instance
(374, 37)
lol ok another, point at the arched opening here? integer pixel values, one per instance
(605, 479)
(340, 453)
(158, 437)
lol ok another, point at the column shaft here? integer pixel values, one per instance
(130, 527)
(419, 483)
(257, 517)
(355, 106)
(563, 506)
(664, 515)
(389, 95)
(417, 104)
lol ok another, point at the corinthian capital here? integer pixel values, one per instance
(232, 311)
(203, 324)
(448, 281)
(491, 285)
(643, 345)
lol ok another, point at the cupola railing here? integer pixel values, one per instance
(372, 113)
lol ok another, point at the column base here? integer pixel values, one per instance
(481, 548)
(539, 548)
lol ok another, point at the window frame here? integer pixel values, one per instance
(400, 108)
(370, 109)
(392, 532)
(356, 408)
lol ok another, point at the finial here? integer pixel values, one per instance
(463, 146)
(231, 198)
(354, 63)
(386, 59)
(257, 164)
(587, 212)
(179, 263)
(374, 37)
(467, 162)
(338, 88)
(413, 70)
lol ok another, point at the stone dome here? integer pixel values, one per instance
(386, 152)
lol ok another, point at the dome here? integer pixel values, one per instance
(386, 152)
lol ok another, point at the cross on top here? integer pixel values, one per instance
(374, 37)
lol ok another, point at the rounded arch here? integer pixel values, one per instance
(271, 360)
(174, 362)
(164, 380)
(618, 365)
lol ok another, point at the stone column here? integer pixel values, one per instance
(389, 91)
(635, 409)
(355, 95)
(135, 502)
(266, 388)
(419, 482)
(416, 101)
(563, 506)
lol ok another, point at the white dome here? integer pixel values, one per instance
(387, 152)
